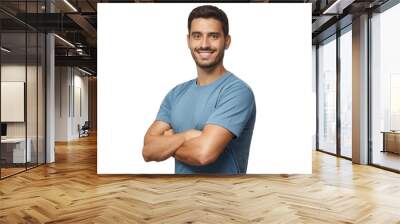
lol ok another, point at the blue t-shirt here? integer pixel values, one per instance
(228, 102)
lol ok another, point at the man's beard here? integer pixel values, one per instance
(211, 65)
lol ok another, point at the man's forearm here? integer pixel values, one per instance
(191, 153)
(159, 148)
(197, 151)
(205, 148)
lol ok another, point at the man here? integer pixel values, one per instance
(205, 123)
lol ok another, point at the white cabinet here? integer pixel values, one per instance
(18, 149)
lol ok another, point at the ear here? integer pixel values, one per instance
(227, 41)
(188, 40)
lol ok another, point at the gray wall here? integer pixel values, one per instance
(71, 102)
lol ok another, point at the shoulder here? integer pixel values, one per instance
(183, 85)
(180, 88)
(235, 85)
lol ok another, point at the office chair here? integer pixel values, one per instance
(84, 130)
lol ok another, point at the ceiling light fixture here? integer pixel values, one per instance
(79, 51)
(5, 49)
(337, 7)
(84, 71)
(64, 40)
(70, 5)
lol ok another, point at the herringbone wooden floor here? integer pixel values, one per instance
(70, 191)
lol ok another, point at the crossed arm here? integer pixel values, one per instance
(192, 146)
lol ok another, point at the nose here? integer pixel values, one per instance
(205, 43)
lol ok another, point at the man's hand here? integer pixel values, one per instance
(192, 133)
(203, 147)
(192, 146)
(169, 132)
(160, 142)
(189, 134)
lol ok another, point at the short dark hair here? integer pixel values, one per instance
(209, 11)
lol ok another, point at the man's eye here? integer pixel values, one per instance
(214, 36)
(196, 36)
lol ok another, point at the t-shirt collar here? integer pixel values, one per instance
(220, 79)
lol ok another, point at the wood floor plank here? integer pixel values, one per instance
(70, 191)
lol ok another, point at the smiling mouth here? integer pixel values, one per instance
(205, 54)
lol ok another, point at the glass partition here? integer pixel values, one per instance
(34, 69)
(13, 108)
(41, 111)
(22, 77)
(32, 95)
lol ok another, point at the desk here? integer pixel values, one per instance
(391, 141)
(15, 148)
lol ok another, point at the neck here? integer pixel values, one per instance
(207, 76)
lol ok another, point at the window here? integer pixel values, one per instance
(385, 88)
(346, 93)
(327, 96)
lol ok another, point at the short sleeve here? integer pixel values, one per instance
(233, 109)
(164, 113)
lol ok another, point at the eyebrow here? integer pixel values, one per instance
(210, 33)
(214, 33)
